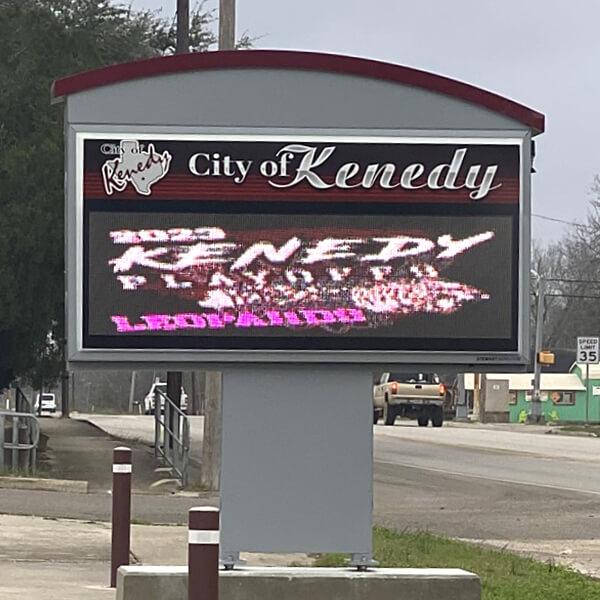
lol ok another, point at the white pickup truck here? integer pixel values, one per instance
(414, 395)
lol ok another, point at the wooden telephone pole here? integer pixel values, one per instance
(183, 27)
(211, 444)
(226, 24)
(174, 378)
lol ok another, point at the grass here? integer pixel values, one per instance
(22, 473)
(504, 575)
(593, 429)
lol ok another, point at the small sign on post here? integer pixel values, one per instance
(588, 350)
(588, 354)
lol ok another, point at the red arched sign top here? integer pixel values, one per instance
(310, 61)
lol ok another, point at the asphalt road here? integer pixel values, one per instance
(503, 485)
(553, 462)
(482, 482)
(468, 481)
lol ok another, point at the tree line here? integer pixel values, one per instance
(571, 267)
(40, 41)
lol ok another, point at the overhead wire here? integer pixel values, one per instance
(557, 220)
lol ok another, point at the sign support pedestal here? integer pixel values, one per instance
(297, 461)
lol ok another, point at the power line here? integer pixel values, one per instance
(573, 296)
(556, 220)
(561, 280)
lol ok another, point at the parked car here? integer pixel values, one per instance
(48, 403)
(161, 386)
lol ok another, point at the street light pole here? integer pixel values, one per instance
(536, 405)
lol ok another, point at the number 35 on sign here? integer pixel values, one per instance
(588, 350)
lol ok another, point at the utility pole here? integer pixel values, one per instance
(183, 27)
(211, 444)
(476, 397)
(64, 395)
(482, 397)
(182, 47)
(536, 405)
(226, 24)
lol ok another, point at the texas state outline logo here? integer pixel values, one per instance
(142, 168)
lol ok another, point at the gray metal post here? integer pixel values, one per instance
(536, 405)
(33, 460)
(156, 428)
(462, 407)
(587, 392)
(15, 440)
(2, 425)
(131, 392)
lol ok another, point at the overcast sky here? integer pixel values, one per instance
(541, 53)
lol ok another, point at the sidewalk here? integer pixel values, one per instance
(140, 428)
(67, 559)
(80, 449)
(55, 558)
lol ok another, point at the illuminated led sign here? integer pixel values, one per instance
(207, 243)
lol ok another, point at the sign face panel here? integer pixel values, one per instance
(240, 243)
(588, 350)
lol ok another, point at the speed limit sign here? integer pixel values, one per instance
(588, 350)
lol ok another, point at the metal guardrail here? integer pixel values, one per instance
(24, 429)
(171, 436)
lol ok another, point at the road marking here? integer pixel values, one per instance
(495, 479)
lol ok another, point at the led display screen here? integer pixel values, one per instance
(184, 249)
(264, 277)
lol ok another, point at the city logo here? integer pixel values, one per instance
(142, 168)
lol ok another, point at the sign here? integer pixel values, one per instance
(588, 350)
(246, 243)
(596, 390)
(530, 395)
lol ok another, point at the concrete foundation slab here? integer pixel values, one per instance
(275, 583)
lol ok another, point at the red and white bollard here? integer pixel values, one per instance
(203, 553)
(121, 511)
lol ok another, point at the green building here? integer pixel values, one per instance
(563, 395)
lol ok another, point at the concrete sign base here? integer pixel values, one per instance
(275, 583)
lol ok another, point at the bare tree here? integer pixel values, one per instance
(572, 267)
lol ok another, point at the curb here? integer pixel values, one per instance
(116, 436)
(587, 434)
(45, 485)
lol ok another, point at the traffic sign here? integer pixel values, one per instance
(588, 350)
